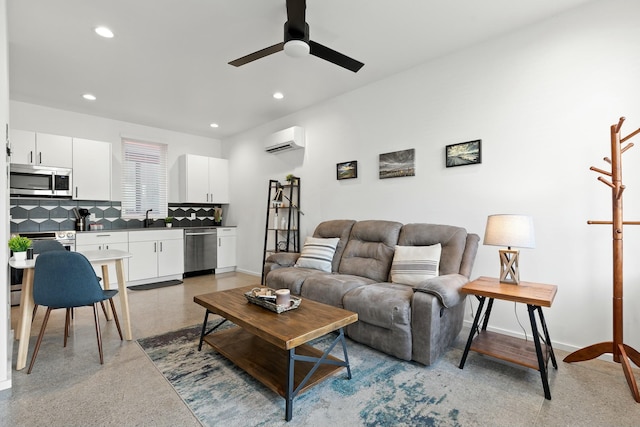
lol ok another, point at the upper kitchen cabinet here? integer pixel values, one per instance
(31, 148)
(203, 179)
(91, 170)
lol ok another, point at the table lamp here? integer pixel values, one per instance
(509, 230)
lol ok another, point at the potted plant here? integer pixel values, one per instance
(291, 179)
(19, 246)
(168, 221)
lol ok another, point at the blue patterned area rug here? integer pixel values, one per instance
(383, 391)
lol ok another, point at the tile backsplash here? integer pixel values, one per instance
(36, 214)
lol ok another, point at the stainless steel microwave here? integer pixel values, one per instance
(29, 180)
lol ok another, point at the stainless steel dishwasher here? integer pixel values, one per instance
(200, 249)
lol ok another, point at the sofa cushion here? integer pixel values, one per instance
(369, 251)
(317, 253)
(330, 288)
(290, 278)
(335, 228)
(381, 304)
(453, 240)
(414, 264)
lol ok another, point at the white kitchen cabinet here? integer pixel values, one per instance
(203, 179)
(219, 180)
(40, 149)
(226, 250)
(23, 146)
(102, 241)
(91, 170)
(156, 254)
(171, 256)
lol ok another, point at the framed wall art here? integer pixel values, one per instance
(397, 164)
(347, 170)
(463, 153)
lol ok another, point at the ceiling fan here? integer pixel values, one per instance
(296, 42)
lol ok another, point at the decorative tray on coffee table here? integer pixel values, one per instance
(266, 297)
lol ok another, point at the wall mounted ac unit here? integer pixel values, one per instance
(288, 139)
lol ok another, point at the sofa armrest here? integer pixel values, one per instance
(446, 288)
(283, 259)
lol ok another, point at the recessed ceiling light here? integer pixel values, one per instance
(104, 32)
(214, 125)
(89, 97)
(278, 95)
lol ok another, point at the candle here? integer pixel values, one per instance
(283, 297)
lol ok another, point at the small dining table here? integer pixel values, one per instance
(102, 258)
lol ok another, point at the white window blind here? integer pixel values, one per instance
(144, 179)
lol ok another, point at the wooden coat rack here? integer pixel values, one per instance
(622, 353)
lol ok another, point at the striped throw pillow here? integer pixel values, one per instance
(414, 264)
(317, 253)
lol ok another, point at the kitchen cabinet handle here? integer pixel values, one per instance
(155, 247)
(207, 197)
(30, 157)
(40, 156)
(160, 246)
(76, 192)
(103, 235)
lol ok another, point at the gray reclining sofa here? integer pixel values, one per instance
(411, 322)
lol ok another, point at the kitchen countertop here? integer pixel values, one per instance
(105, 230)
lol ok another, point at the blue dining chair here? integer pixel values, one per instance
(42, 246)
(67, 280)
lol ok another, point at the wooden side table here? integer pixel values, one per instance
(511, 349)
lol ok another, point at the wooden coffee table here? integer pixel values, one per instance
(267, 345)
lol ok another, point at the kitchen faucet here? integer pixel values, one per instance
(147, 221)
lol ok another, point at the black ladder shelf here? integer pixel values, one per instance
(281, 232)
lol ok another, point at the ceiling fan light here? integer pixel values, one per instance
(104, 32)
(296, 48)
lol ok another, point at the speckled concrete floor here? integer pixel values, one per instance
(69, 387)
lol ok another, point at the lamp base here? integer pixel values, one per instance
(509, 270)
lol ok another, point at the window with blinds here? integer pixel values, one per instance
(144, 179)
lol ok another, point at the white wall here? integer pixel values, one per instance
(6, 340)
(542, 100)
(60, 122)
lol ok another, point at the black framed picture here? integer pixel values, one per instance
(347, 170)
(397, 164)
(463, 153)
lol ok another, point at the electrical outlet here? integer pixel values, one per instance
(92, 217)
(193, 215)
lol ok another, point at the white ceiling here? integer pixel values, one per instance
(167, 66)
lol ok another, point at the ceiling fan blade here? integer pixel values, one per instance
(336, 57)
(257, 55)
(296, 10)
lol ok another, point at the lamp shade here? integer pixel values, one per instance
(510, 230)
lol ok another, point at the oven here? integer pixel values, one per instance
(67, 238)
